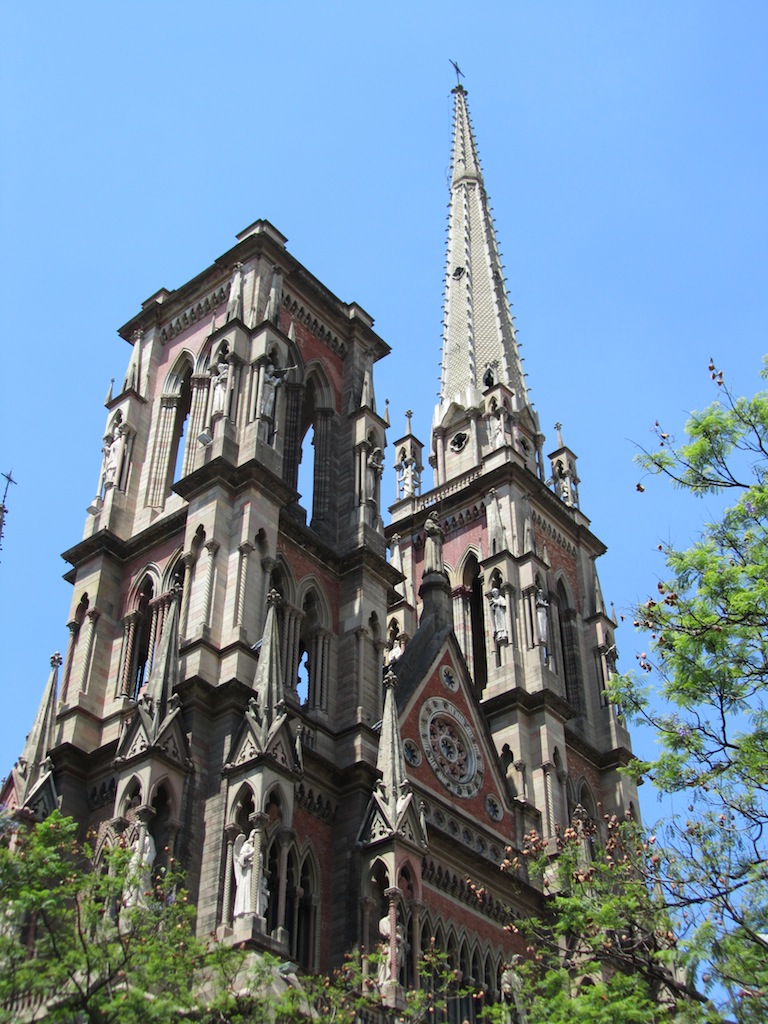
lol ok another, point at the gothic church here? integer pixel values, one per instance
(377, 729)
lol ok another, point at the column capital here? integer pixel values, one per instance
(232, 831)
(258, 820)
(212, 546)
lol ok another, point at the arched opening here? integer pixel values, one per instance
(569, 648)
(180, 420)
(304, 951)
(473, 584)
(142, 664)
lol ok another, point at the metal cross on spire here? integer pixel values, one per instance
(8, 477)
(457, 69)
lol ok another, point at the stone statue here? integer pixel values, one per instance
(375, 467)
(272, 380)
(433, 547)
(109, 451)
(512, 993)
(243, 864)
(409, 483)
(220, 380)
(388, 971)
(498, 615)
(139, 873)
(542, 619)
(234, 305)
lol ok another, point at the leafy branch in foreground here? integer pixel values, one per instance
(707, 658)
(604, 947)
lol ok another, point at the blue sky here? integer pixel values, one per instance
(624, 150)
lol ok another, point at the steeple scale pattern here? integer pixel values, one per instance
(478, 331)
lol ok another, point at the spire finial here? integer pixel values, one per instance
(559, 429)
(459, 73)
(408, 418)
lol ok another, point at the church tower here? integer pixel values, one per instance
(339, 748)
(520, 556)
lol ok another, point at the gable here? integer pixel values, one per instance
(447, 745)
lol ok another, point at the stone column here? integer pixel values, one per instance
(285, 838)
(392, 895)
(361, 634)
(242, 581)
(211, 546)
(367, 905)
(416, 908)
(129, 639)
(440, 442)
(231, 832)
(92, 615)
(548, 769)
(189, 559)
(522, 787)
(257, 820)
(74, 628)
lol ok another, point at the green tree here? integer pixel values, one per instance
(704, 694)
(603, 948)
(74, 947)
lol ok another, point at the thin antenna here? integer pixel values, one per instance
(8, 477)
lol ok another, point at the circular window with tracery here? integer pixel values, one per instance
(450, 747)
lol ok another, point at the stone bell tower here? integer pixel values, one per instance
(519, 551)
(222, 678)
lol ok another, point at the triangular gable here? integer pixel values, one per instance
(447, 744)
(43, 798)
(172, 740)
(247, 745)
(136, 738)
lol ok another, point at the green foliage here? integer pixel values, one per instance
(707, 657)
(65, 944)
(604, 949)
(72, 948)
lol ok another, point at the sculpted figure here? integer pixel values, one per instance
(512, 993)
(220, 380)
(243, 863)
(109, 451)
(542, 619)
(498, 614)
(433, 548)
(140, 871)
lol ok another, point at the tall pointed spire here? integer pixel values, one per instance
(41, 736)
(268, 684)
(478, 331)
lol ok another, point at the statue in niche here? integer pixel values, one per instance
(243, 864)
(139, 873)
(271, 381)
(409, 482)
(433, 547)
(512, 993)
(499, 437)
(542, 617)
(498, 615)
(488, 380)
(109, 450)
(234, 305)
(375, 467)
(220, 380)
(387, 970)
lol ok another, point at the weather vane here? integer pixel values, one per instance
(459, 72)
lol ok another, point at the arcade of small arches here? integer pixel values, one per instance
(475, 963)
(284, 884)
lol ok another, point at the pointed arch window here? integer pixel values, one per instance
(170, 432)
(569, 646)
(473, 582)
